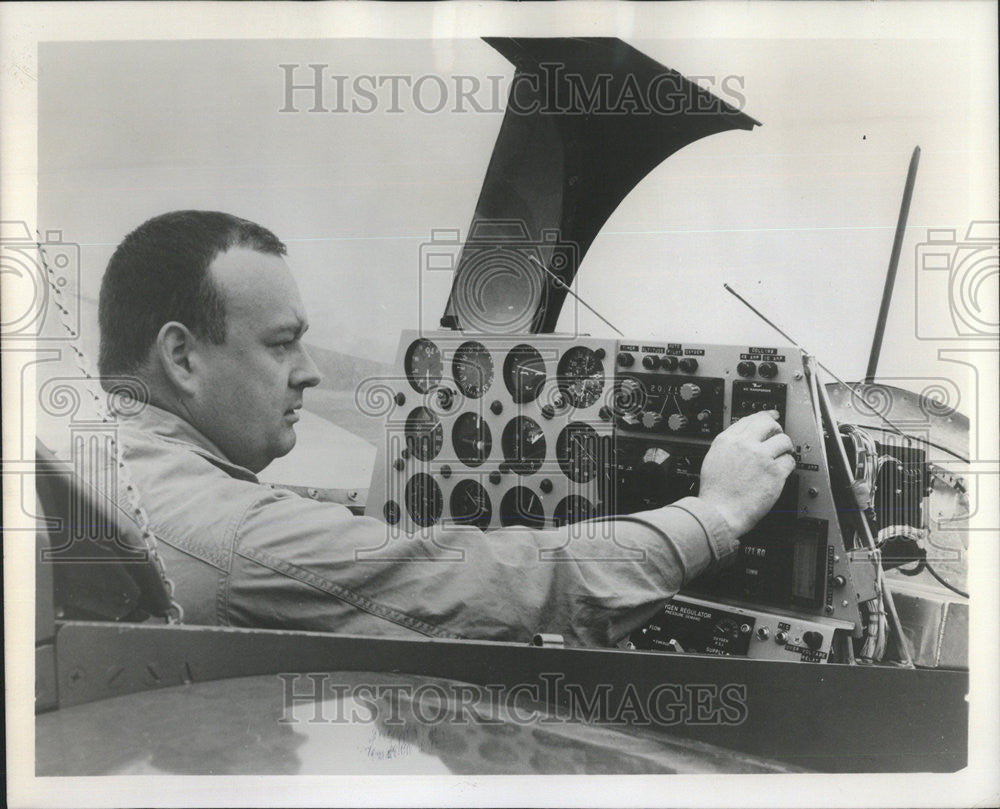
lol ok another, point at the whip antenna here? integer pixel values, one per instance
(890, 277)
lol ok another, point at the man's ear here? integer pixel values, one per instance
(175, 346)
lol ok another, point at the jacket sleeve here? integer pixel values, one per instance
(309, 565)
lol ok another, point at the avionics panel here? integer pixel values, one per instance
(688, 624)
(547, 430)
(669, 404)
(751, 397)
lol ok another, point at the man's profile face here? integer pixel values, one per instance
(250, 387)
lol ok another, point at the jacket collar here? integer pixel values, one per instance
(167, 426)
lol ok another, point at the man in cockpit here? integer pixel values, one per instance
(202, 307)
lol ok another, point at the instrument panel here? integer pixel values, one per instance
(544, 431)
(493, 433)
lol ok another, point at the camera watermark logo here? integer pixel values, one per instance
(964, 273)
(503, 277)
(81, 495)
(38, 275)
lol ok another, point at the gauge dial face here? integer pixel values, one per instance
(578, 452)
(727, 628)
(470, 504)
(523, 444)
(524, 373)
(423, 499)
(572, 508)
(472, 439)
(391, 512)
(521, 506)
(423, 365)
(472, 368)
(581, 376)
(424, 434)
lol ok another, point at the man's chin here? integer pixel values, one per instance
(281, 444)
(287, 444)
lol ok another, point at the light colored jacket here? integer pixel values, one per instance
(243, 554)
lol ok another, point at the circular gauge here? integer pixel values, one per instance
(521, 506)
(472, 439)
(727, 628)
(472, 368)
(581, 376)
(572, 508)
(470, 505)
(424, 434)
(523, 444)
(423, 499)
(423, 365)
(524, 373)
(391, 511)
(577, 451)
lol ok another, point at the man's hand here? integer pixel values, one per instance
(745, 470)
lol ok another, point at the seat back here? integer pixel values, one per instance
(91, 551)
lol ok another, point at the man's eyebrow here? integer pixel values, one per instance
(295, 328)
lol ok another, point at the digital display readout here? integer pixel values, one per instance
(781, 562)
(753, 397)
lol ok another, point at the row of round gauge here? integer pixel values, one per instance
(579, 375)
(470, 504)
(578, 450)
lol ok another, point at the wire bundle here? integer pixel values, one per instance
(879, 609)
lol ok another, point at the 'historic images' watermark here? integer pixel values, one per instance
(315, 88)
(320, 698)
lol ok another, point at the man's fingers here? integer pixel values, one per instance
(760, 425)
(778, 445)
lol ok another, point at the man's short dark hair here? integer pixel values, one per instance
(159, 273)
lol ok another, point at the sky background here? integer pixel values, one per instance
(798, 214)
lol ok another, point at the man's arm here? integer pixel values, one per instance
(311, 565)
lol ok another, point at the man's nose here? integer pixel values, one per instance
(305, 374)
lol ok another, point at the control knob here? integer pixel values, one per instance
(746, 368)
(650, 362)
(813, 639)
(669, 363)
(651, 419)
(677, 421)
(690, 391)
(768, 370)
(445, 398)
(688, 365)
(625, 360)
